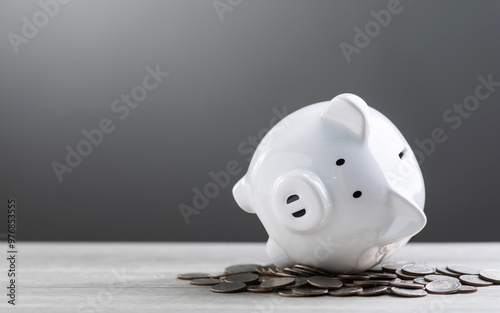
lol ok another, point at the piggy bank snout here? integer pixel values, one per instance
(300, 201)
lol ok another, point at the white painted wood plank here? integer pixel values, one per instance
(141, 277)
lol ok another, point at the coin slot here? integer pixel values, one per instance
(299, 213)
(292, 198)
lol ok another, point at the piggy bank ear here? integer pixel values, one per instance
(241, 193)
(351, 112)
(300, 201)
(408, 219)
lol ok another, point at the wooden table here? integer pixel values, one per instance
(141, 277)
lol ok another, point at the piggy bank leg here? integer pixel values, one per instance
(277, 254)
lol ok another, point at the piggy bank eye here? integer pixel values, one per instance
(340, 162)
(402, 153)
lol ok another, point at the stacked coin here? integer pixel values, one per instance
(406, 279)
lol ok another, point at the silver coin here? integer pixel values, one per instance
(490, 275)
(371, 282)
(310, 291)
(257, 289)
(273, 270)
(228, 287)
(261, 270)
(345, 291)
(277, 283)
(290, 294)
(299, 281)
(205, 281)
(241, 277)
(418, 269)
(381, 275)
(241, 268)
(265, 271)
(408, 292)
(434, 277)
(279, 272)
(444, 270)
(352, 277)
(294, 272)
(467, 289)
(474, 280)
(420, 280)
(373, 291)
(324, 282)
(407, 285)
(443, 286)
(264, 278)
(315, 270)
(404, 275)
(392, 267)
(305, 271)
(461, 269)
(191, 276)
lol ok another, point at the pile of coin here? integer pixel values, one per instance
(406, 279)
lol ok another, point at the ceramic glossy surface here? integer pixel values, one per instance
(336, 186)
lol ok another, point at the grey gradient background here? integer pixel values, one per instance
(225, 79)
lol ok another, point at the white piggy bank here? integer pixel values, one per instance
(336, 186)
